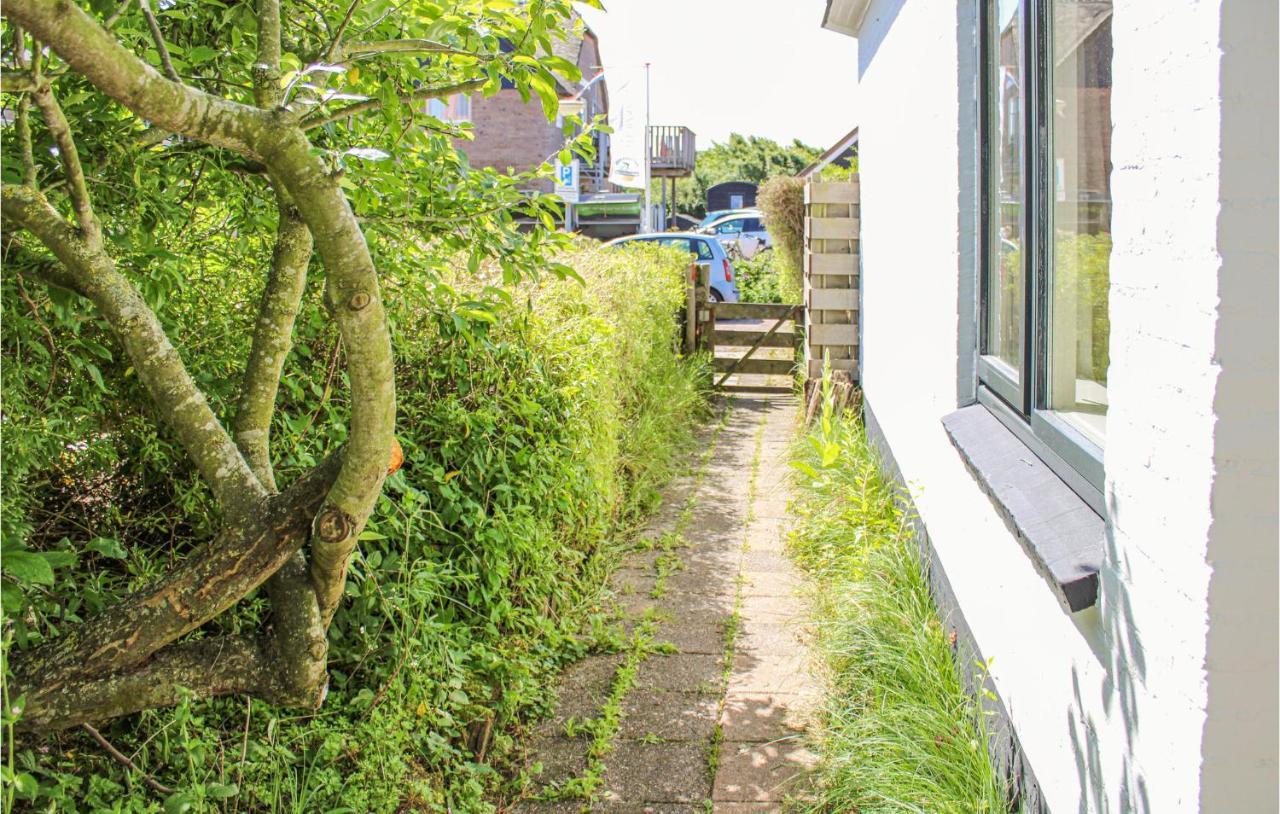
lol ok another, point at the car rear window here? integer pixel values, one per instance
(704, 250)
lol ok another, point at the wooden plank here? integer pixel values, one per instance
(754, 310)
(742, 339)
(831, 228)
(831, 192)
(771, 367)
(835, 264)
(756, 388)
(833, 335)
(815, 367)
(833, 299)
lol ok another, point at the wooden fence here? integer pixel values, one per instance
(831, 276)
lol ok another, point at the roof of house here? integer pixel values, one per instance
(569, 48)
(833, 152)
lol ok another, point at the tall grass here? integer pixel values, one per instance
(899, 732)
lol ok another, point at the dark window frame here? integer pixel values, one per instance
(1025, 411)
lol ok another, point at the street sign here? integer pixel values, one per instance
(567, 181)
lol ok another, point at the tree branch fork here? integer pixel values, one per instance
(130, 658)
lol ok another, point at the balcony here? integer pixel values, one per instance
(671, 151)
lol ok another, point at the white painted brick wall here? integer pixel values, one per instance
(1109, 705)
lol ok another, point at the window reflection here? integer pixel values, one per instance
(1081, 226)
(1005, 283)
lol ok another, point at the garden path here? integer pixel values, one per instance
(703, 708)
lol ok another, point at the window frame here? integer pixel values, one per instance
(1022, 404)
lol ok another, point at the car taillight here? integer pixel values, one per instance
(728, 271)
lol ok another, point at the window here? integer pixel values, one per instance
(735, 201)
(752, 225)
(456, 108)
(698, 247)
(729, 227)
(1047, 221)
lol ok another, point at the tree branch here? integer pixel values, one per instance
(220, 665)
(118, 73)
(69, 155)
(156, 361)
(351, 286)
(125, 641)
(15, 82)
(158, 38)
(364, 50)
(335, 47)
(375, 104)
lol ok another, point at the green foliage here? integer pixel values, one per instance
(899, 732)
(781, 199)
(741, 158)
(1082, 275)
(538, 421)
(759, 278)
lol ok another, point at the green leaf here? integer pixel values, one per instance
(25, 785)
(178, 803)
(221, 791)
(28, 568)
(547, 94)
(106, 547)
(201, 53)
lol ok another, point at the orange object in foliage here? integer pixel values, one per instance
(397, 456)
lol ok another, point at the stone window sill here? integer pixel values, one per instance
(1059, 531)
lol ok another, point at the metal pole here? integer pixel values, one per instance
(646, 216)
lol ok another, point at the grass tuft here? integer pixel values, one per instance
(899, 731)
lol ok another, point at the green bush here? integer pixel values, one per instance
(759, 278)
(781, 199)
(899, 732)
(537, 421)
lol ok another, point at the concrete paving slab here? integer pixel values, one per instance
(765, 717)
(682, 672)
(658, 773)
(668, 716)
(761, 772)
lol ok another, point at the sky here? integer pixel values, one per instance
(756, 67)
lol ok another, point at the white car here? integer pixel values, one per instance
(705, 250)
(743, 229)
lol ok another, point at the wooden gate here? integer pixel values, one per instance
(758, 330)
(754, 326)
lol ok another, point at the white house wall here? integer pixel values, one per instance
(1108, 705)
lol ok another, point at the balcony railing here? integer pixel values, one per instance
(671, 151)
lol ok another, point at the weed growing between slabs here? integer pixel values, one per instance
(899, 732)
(639, 646)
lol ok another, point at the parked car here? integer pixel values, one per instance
(712, 217)
(705, 249)
(743, 229)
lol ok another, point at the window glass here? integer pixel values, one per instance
(729, 227)
(1079, 326)
(752, 225)
(681, 243)
(438, 109)
(704, 250)
(462, 106)
(1005, 276)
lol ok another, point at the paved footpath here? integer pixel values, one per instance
(703, 708)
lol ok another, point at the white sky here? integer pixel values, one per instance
(756, 67)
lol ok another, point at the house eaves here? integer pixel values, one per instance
(845, 16)
(831, 154)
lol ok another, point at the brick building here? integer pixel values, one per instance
(512, 133)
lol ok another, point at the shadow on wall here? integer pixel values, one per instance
(1121, 655)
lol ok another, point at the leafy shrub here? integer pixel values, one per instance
(781, 199)
(899, 731)
(759, 278)
(537, 421)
